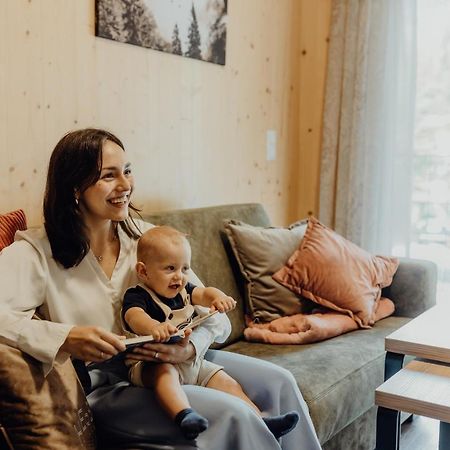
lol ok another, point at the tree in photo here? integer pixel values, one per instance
(176, 43)
(110, 21)
(194, 40)
(141, 26)
(218, 34)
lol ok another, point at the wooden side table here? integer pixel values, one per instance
(427, 337)
(421, 388)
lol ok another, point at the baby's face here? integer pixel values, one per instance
(167, 271)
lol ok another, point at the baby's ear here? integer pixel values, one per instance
(141, 270)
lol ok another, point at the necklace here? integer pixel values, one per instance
(114, 237)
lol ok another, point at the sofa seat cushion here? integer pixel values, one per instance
(337, 377)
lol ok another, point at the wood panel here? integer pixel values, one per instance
(424, 336)
(196, 132)
(419, 388)
(315, 26)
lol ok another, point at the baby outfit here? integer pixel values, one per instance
(179, 311)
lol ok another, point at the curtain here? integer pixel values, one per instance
(368, 127)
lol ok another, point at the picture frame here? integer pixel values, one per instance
(195, 29)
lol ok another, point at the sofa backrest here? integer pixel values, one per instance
(211, 260)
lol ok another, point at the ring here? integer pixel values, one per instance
(156, 355)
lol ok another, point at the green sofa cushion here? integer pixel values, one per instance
(332, 370)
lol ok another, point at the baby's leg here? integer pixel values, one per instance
(278, 425)
(164, 378)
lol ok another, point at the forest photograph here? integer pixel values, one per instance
(195, 29)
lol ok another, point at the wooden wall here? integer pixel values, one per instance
(315, 24)
(195, 131)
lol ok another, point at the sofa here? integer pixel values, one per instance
(337, 377)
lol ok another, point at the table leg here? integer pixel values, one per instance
(388, 429)
(388, 420)
(393, 363)
(444, 436)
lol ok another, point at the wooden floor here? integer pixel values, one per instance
(420, 434)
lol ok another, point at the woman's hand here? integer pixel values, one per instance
(179, 352)
(92, 344)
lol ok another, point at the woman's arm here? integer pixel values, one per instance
(23, 286)
(24, 289)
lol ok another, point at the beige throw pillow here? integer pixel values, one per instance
(260, 252)
(42, 413)
(335, 273)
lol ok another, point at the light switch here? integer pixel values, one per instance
(271, 145)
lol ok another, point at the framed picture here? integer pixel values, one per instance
(192, 28)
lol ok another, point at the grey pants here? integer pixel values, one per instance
(122, 410)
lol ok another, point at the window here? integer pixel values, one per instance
(430, 236)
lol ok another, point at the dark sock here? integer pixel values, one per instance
(191, 423)
(280, 425)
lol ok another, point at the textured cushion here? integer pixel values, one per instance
(335, 273)
(40, 413)
(260, 252)
(9, 224)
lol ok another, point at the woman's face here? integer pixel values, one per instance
(108, 198)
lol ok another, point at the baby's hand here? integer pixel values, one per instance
(163, 331)
(223, 304)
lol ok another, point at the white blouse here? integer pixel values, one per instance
(31, 280)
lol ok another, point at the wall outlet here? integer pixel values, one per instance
(271, 145)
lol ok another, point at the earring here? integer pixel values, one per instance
(76, 201)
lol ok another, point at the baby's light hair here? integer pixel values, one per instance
(153, 240)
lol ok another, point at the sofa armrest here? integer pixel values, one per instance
(413, 289)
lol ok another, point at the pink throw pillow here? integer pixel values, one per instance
(9, 224)
(335, 273)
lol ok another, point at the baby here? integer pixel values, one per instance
(164, 300)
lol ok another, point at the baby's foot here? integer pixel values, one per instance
(281, 425)
(191, 423)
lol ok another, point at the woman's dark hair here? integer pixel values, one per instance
(75, 164)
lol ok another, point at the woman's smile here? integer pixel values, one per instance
(121, 201)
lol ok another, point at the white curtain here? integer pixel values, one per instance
(365, 183)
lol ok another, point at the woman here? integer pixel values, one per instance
(75, 271)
